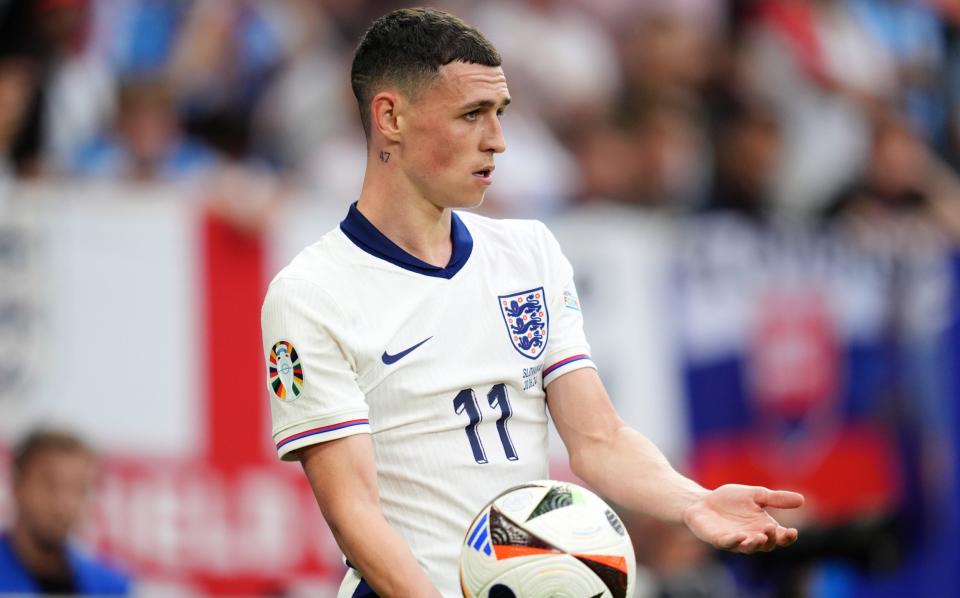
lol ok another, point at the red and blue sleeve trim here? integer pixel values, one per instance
(321, 430)
(563, 362)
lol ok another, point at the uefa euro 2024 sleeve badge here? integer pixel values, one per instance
(286, 373)
(526, 317)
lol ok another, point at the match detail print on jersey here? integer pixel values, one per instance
(285, 371)
(570, 300)
(526, 317)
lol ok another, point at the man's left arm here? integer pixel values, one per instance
(624, 466)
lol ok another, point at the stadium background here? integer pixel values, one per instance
(759, 198)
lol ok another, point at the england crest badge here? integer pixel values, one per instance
(526, 317)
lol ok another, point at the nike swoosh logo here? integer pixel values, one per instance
(389, 359)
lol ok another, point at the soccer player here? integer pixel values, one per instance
(53, 476)
(413, 351)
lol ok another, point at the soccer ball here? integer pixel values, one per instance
(547, 539)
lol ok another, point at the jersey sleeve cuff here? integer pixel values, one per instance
(317, 431)
(565, 365)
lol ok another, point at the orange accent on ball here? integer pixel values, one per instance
(508, 552)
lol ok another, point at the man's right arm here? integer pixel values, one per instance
(343, 476)
(320, 417)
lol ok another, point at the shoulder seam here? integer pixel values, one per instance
(314, 284)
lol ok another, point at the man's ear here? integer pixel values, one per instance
(385, 109)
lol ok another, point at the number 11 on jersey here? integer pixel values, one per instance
(498, 399)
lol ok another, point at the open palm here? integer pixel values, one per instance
(733, 517)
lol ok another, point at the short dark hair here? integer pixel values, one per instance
(46, 441)
(407, 47)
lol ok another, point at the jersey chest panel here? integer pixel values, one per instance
(427, 341)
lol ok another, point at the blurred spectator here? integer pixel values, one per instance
(137, 37)
(748, 151)
(147, 143)
(18, 44)
(53, 477)
(559, 63)
(809, 61)
(667, 59)
(674, 156)
(660, 159)
(610, 164)
(78, 86)
(70, 90)
(908, 31)
(17, 75)
(309, 101)
(615, 14)
(649, 148)
(904, 190)
(350, 18)
(226, 56)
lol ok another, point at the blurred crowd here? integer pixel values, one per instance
(784, 113)
(777, 108)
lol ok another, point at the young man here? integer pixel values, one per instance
(413, 351)
(53, 475)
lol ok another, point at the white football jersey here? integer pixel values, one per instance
(444, 367)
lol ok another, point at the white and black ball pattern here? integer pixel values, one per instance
(547, 539)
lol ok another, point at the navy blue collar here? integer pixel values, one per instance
(366, 236)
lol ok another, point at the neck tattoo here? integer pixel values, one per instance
(384, 156)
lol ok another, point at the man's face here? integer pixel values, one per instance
(451, 133)
(52, 493)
